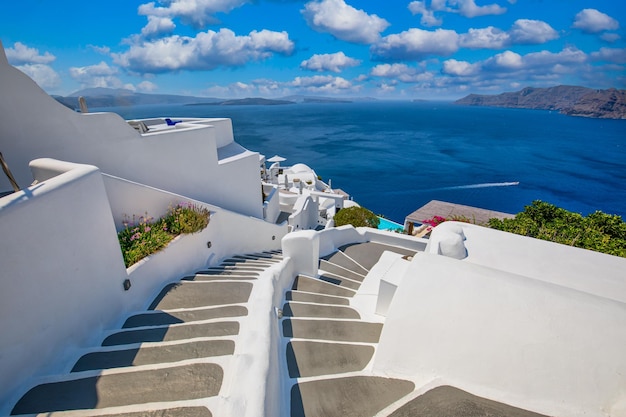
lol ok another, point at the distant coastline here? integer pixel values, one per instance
(570, 100)
(110, 97)
(255, 101)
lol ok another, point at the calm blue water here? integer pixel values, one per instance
(394, 157)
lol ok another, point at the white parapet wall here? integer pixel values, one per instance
(537, 328)
(62, 274)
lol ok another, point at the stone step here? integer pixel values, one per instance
(308, 284)
(453, 402)
(185, 382)
(292, 309)
(228, 271)
(341, 259)
(221, 277)
(348, 396)
(174, 332)
(159, 318)
(307, 358)
(368, 253)
(306, 297)
(201, 294)
(163, 412)
(340, 271)
(247, 263)
(147, 355)
(341, 281)
(338, 330)
(266, 258)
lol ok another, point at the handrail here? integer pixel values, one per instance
(8, 173)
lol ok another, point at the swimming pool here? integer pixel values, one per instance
(385, 224)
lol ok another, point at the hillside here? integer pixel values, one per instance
(570, 100)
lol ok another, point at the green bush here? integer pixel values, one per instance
(598, 231)
(357, 217)
(143, 237)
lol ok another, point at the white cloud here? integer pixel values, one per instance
(610, 37)
(99, 75)
(460, 68)
(485, 38)
(428, 14)
(157, 26)
(21, 54)
(526, 31)
(35, 65)
(147, 86)
(385, 88)
(401, 72)
(613, 55)
(468, 8)
(197, 13)
(329, 62)
(42, 74)
(416, 44)
(321, 84)
(103, 50)
(523, 31)
(506, 60)
(594, 21)
(543, 59)
(509, 68)
(208, 50)
(344, 22)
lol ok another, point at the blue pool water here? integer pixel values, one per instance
(385, 224)
(394, 157)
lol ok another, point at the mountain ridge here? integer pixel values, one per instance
(113, 97)
(569, 100)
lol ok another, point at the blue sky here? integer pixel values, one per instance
(397, 49)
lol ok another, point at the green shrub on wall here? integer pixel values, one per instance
(598, 231)
(357, 217)
(145, 236)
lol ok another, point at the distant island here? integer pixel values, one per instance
(251, 101)
(570, 100)
(119, 97)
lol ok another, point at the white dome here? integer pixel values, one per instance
(300, 168)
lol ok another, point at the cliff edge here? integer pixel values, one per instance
(570, 100)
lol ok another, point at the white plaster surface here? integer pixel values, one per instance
(513, 338)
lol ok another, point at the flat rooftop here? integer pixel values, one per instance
(444, 209)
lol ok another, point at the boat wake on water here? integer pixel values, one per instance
(483, 185)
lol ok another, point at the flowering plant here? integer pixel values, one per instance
(435, 221)
(144, 236)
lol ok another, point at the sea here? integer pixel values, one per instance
(393, 157)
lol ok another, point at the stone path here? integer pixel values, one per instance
(169, 354)
(329, 346)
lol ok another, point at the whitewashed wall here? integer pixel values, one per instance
(528, 343)
(183, 161)
(62, 275)
(305, 214)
